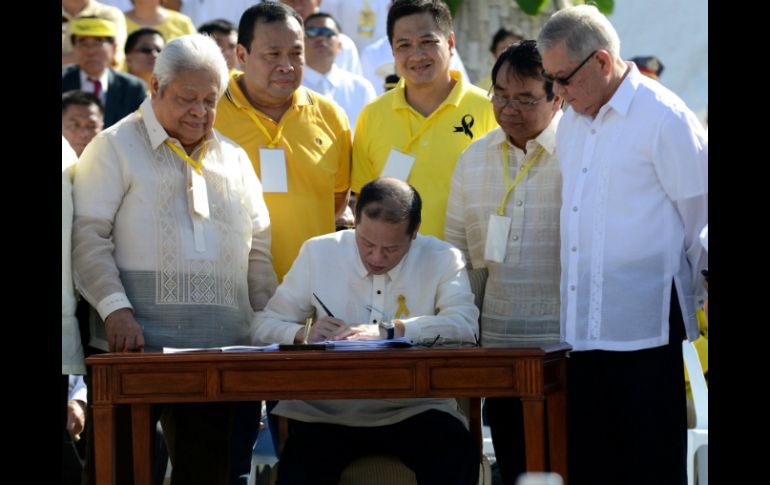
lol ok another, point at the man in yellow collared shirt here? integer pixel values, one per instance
(430, 117)
(303, 137)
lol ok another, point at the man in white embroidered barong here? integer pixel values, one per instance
(503, 214)
(171, 239)
(381, 270)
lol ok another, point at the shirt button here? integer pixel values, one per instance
(519, 203)
(574, 209)
(573, 248)
(379, 292)
(515, 238)
(572, 287)
(374, 321)
(585, 170)
(425, 143)
(593, 132)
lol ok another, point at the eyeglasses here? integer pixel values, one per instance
(148, 50)
(320, 31)
(501, 102)
(564, 81)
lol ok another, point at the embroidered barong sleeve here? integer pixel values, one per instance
(100, 184)
(290, 305)
(261, 276)
(456, 318)
(454, 225)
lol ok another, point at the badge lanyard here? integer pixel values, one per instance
(509, 186)
(200, 201)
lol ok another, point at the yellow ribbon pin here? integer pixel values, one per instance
(402, 309)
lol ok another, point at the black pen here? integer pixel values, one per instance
(323, 306)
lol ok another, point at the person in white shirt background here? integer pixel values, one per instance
(347, 59)
(322, 75)
(381, 270)
(364, 21)
(634, 162)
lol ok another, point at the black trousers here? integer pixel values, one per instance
(626, 415)
(71, 466)
(434, 444)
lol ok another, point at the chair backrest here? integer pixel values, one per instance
(700, 393)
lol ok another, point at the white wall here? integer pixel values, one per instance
(676, 31)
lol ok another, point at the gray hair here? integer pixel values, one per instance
(191, 52)
(583, 29)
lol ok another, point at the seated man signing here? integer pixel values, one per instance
(381, 270)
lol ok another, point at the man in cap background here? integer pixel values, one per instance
(650, 66)
(93, 40)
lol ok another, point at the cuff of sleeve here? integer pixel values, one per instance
(411, 332)
(112, 302)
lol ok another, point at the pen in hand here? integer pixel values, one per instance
(323, 306)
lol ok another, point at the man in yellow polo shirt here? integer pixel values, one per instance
(299, 142)
(417, 131)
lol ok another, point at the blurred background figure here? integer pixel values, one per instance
(351, 91)
(225, 33)
(142, 49)
(502, 39)
(650, 66)
(149, 13)
(73, 9)
(94, 43)
(82, 117)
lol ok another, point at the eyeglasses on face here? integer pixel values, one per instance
(501, 102)
(564, 81)
(320, 31)
(148, 50)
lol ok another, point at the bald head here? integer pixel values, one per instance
(390, 200)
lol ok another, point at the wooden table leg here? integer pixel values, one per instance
(142, 446)
(557, 432)
(534, 433)
(104, 443)
(474, 419)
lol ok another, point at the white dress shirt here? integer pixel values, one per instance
(352, 92)
(191, 281)
(635, 198)
(348, 59)
(430, 278)
(71, 348)
(521, 297)
(377, 62)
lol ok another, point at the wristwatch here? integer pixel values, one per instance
(389, 328)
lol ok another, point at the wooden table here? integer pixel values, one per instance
(536, 374)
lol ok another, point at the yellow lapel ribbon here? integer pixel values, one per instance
(402, 309)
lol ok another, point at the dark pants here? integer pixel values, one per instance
(505, 416)
(626, 413)
(434, 444)
(71, 466)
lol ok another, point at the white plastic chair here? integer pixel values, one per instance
(697, 437)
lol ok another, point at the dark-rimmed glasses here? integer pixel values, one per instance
(320, 31)
(500, 102)
(564, 81)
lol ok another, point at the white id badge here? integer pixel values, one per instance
(497, 238)
(199, 195)
(399, 165)
(272, 168)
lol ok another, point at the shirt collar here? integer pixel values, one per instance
(546, 138)
(311, 77)
(621, 100)
(155, 130)
(453, 99)
(103, 79)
